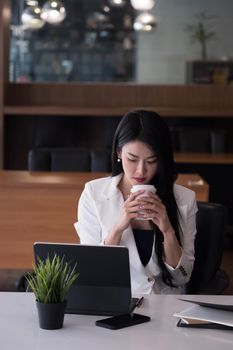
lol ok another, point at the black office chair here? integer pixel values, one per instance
(194, 140)
(69, 159)
(207, 277)
(101, 160)
(59, 159)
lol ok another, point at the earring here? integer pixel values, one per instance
(118, 160)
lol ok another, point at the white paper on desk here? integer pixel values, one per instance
(224, 305)
(201, 313)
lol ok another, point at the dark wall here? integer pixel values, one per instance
(23, 133)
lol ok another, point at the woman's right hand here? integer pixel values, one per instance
(129, 211)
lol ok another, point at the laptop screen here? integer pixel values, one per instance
(103, 285)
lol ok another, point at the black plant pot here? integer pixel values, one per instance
(51, 316)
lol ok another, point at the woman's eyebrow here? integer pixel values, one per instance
(133, 155)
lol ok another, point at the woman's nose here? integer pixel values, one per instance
(141, 169)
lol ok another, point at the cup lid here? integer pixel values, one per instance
(146, 187)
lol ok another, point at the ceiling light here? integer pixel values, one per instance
(31, 17)
(143, 5)
(32, 3)
(117, 3)
(145, 22)
(106, 8)
(53, 12)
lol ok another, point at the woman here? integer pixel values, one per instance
(161, 249)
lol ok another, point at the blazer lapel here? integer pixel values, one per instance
(109, 203)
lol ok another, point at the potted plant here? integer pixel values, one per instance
(50, 281)
(202, 31)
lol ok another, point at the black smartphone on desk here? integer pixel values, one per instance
(122, 321)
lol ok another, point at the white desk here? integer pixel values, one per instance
(19, 329)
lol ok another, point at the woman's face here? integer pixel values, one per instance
(139, 162)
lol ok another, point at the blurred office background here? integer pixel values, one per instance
(101, 40)
(70, 69)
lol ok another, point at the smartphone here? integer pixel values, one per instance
(122, 321)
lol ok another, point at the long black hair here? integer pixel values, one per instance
(151, 129)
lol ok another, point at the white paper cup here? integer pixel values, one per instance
(147, 189)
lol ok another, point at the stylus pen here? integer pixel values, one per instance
(137, 304)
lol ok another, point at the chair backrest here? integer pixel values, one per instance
(59, 159)
(39, 159)
(211, 225)
(189, 137)
(186, 139)
(101, 160)
(69, 159)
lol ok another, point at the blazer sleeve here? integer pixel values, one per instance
(182, 272)
(88, 226)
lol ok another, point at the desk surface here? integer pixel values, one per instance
(19, 328)
(21, 178)
(204, 158)
(77, 180)
(44, 179)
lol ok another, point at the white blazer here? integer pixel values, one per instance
(99, 209)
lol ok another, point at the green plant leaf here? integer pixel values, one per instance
(51, 279)
(202, 31)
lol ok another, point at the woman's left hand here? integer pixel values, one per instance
(156, 211)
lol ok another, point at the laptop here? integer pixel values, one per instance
(103, 286)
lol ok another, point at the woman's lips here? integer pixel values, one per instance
(139, 179)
